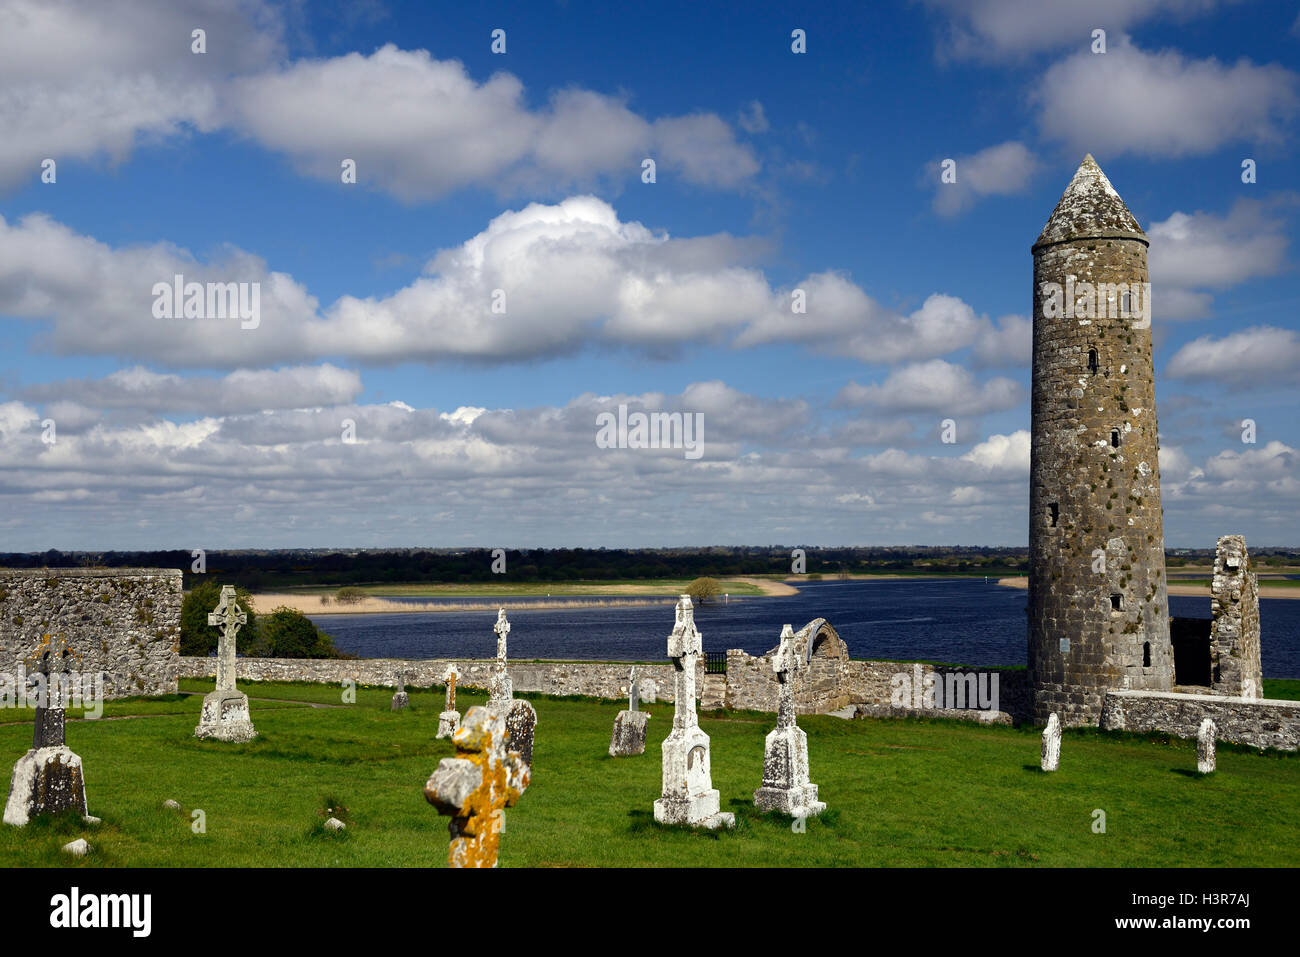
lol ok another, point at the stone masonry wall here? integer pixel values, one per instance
(1259, 722)
(122, 622)
(597, 679)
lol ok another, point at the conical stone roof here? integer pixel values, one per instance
(1090, 208)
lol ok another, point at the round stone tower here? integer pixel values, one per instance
(1098, 608)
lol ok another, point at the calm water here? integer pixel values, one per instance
(966, 621)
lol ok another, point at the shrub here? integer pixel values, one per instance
(703, 589)
(349, 596)
(291, 634)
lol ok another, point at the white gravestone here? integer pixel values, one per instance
(449, 720)
(401, 699)
(225, 714)
(629, 726)
(1206, 761)
(1051, 759)
(786, 787)
(501, 691)
(688, 793)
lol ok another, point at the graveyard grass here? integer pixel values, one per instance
(901, 792)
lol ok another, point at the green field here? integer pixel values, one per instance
(901, 792)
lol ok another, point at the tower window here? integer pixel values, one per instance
(1114, 438)
(1116, 602)
(1124, 305)
(1146, 654)
(1092, 360)
(1053, 514)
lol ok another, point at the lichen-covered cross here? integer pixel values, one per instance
(450, 676)
(785, 662)
(475, 787)
(48, 730)
(229, 617)
(685, 645)
(633, 691)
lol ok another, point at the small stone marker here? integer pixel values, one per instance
(630, 725)
(786, 787)
(401, 699)
(225, 714)
(449, 720)
(77, 848)
(1206, 761)
(475, 787)
(501, 692)
(649, 691)
(48, 778)
(1052, 744)
(688, 793)
(170, 805)
(334, 824)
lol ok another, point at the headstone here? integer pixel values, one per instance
(786, 787)
(521, 726)
(501, 691)
(649, 691)
(688, 793)
(630, 725)
(1206, 760)
(225, 714)
(77, 848)
(401, 699)
(475, 787)
(170, 805)
(334, 824)
(48, 778)
(1052, 744)
(449, 720)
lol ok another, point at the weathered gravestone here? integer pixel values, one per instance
(225, 714)
(1206, 760)
(786, 787)
(475, 787)
(649, 690)
(630, 725)
(688, 793)
(48, 778)
(520, 716)
(521, 727)
(449, 719)
(1051, 757)
(401, 699)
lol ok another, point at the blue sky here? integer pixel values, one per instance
(522, 171)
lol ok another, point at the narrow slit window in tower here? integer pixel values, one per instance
(1114, 438)
(1053, 514)
(1116, 602)
(1092, 361)
(1124, 305)
(1146, 654)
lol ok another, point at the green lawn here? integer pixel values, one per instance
(901, 792)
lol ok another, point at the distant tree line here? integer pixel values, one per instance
(265, 570)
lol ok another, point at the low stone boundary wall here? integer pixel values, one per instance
(1259, 723)
(597, 679)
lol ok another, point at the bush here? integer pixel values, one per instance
(291, 634)
(324, 599)
(349, 596)
(200, 638)
(703, 589)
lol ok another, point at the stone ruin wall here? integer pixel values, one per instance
(1234, 634)
(1264, 723)
(595, 679)
(122, 622)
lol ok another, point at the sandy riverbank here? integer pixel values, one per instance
(1199, 591)
(610, 596)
